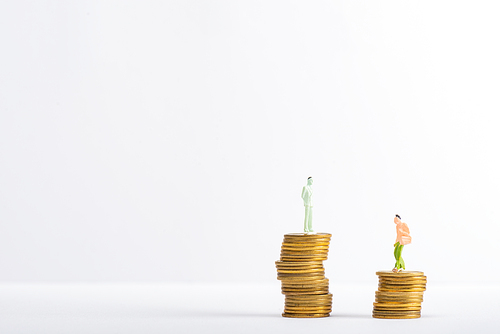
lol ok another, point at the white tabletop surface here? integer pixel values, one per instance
(230, 308)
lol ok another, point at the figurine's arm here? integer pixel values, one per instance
(404, 229)
(304, 191)
(405, 234)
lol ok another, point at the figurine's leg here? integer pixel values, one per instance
(396, 248)
(401, 261)
(306, 226)
(310, 220)
(397, 254)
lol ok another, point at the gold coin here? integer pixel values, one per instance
(303, 274)
(311, 291)
(302, 293)
(399, 293)
(304, 255)
(307, 287)
(398, 297)
(308, 235)
(301, 278)
(313, 299)
(403, 280)
(299, 267)
(296, 264)
(402, 277)
(315, 245)
(308, 307)
(318, 271)
(385, 310)
(314, 311)
(292, 289)
(305, 291)
(305, 242)
(397, 309)
(314, 273)
(304, 248)
(294, 270)
(291, 259)
(309, 303)
(308, 311)
(400, 274)
(289, 270)
(398, 304)
(282, 269)
(299, 258)
(288, 257)
(304, 245)
(398, 301)
(326, 310)
(308, 298)
(304, 251)
(408, 316)
(302, 271)
(324, 306)
(319, 302)
(390, 289)
(312, 315)
(304, 286)
(289, 240)
(403, 283)
(402, 287)
(381, 295)
(395, 313)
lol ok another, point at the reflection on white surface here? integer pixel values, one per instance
(229, 308)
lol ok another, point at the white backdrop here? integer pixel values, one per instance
(152, 141)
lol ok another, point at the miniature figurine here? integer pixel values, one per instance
(403, 238)
(307, 197)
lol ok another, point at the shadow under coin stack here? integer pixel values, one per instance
(399, 295)
(302, 275)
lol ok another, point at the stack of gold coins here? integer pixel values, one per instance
(302, 275)
(400, 295)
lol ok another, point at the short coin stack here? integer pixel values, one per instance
(302, 275)
(399, 295)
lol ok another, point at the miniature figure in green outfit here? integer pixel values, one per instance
(403, 238)
(307, 197)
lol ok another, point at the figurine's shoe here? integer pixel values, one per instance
(394, 270)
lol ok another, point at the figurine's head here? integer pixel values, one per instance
(309, 180)
(397, 219)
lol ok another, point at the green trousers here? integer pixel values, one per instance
(398, 249)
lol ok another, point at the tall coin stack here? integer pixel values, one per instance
(302, 275)
(399, 295)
